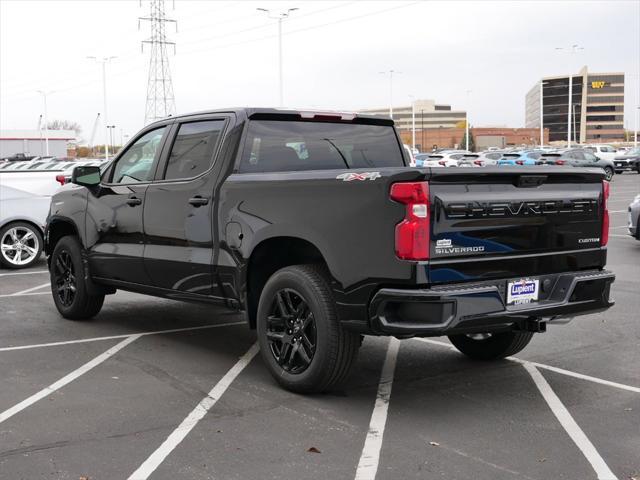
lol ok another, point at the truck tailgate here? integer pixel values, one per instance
(514, 221)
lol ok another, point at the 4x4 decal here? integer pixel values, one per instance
(349, 176)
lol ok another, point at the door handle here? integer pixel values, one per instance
(198, 201)
(133, 201)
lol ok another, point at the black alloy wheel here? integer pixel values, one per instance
(65, 279)
(291, 331)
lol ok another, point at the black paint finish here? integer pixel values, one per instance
(212, 237)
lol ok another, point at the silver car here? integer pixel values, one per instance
(25, 194)
(634, 218)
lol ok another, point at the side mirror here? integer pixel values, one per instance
(87, 176)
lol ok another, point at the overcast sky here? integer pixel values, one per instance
(226, 55)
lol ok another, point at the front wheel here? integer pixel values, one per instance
(491, 346)
(301, 340)
(68, 285)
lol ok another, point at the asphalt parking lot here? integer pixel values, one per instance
(170, 390)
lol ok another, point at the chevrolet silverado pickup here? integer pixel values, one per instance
(315, 227)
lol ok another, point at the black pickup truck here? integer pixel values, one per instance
(315, 227)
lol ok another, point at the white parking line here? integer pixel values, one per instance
(617, 211)
(24, 294)
(179, 434)
(370, 457)
(28, 290)
(562, 371)
(621, 236)
(67, 378)
(23, 273)
(569, 424)
(113, 337)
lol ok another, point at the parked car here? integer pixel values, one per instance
(482, 159)
(630, 161)
(634, 218)
(229, 212)
(528, 157)
(439, 159)
(578, 157)
(605, 152)
(25, 193)
(19, 157)
(409, 151)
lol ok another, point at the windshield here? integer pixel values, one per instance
(276, 146)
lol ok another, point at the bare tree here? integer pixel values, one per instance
(65, 125)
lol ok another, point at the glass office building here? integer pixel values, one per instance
(597, 107)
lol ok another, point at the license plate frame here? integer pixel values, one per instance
(521, 291)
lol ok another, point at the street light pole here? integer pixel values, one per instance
(541, 119)
(390, 72)
(110, 130)
(467, 122)
(104, 62)
(46, 121)
(572, 50)
(280, 16)
(413, 122)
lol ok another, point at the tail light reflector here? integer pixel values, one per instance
(604, 238)
(61, 179)
(412, 234)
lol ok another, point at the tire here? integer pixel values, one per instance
(493, 347)
(301, 340)
(69, 281)
(608, 173)
(20, 245)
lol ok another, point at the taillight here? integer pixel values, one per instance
(604, 238)
(443, 163)
(412, 234)
(520, 162)
(478, 162)
(61, 179)
(560, 162)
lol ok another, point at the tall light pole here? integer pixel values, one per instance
(280, 16)
(104, 61)
(413, 122)
(466, 123)
(110, 130)
(46, 121)
(391, 73)
(572, 51)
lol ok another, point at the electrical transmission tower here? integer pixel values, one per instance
(160, 100)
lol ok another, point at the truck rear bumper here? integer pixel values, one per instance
(481, 306)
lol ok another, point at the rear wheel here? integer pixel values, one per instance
(20, 245)
(301, 340)
(68, 285)
(608, 173)
(491, 346)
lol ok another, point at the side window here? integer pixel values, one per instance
(590, 157)
(578, 155)
(193, 149)
(137, 163)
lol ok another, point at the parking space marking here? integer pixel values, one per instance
(28, 290)
(569, 424)
(24, 294)
(113, 337)
(370, 457)
(23, 273)
(67, 378)
(197, 414)
(562, 371)
(621, 236)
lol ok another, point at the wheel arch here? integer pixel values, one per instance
(57, 228)
(269, 256)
